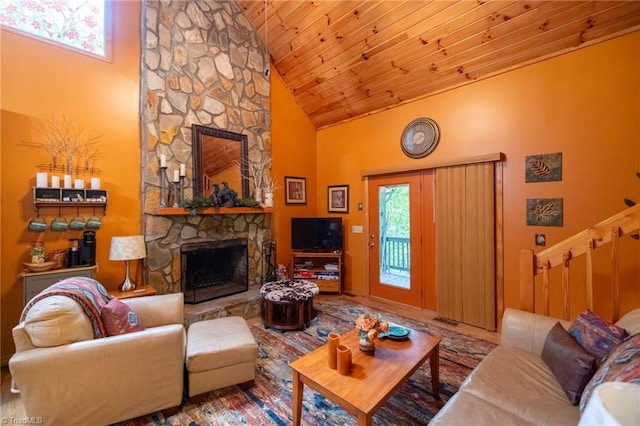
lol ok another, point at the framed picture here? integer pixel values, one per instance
(338, 198)
(295, 190)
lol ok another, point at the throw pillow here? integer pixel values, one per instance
(572, 365)
(118, 318)
(622, 365)
(596, 335)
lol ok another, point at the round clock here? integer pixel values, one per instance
(420, 138)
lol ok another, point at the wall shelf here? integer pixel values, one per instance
(179, 211)
(69, 197)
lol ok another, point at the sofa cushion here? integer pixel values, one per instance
(630, 322)
(595, 335)
(520, 383)
(572, 365)
(118, 318)
(622, 365)
(57, 320)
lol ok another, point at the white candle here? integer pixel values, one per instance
(183, 170)
(163, 160)
(79, 184)
(55, 181)
(41, 180)
(176, 176)
(95, 183)
(67, 181)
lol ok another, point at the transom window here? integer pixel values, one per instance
(77, 23)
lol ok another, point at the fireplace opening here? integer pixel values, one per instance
(214, 269)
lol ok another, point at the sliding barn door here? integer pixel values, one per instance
(465, 244)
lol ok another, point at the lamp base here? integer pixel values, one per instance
(127, 285)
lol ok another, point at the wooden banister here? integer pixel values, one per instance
(608, 231)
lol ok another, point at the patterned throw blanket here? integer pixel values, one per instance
(87, 292)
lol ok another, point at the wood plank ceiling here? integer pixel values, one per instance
(346, 59)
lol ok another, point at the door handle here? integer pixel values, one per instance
(371, 244)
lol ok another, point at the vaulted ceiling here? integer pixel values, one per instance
(346, 59)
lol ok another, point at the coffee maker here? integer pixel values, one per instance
(82, 251)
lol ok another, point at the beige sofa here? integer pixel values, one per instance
(106, 380)
(513, 385)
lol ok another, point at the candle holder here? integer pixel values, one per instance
(181, 194)
(163, 194)
(176, 194)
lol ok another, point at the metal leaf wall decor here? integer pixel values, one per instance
(545, 211)
(543, 167)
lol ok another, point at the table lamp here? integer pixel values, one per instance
(127, 249)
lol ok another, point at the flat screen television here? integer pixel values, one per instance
(316, 234)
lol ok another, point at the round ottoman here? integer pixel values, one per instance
(288, 304)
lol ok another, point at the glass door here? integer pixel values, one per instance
(397, 224)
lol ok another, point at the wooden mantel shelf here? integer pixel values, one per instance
(178, 211)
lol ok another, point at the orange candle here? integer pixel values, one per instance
(344, 359)
(332, 345)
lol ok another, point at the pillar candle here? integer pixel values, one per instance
(176, 176)
(332, 346)
(95, 183)
(41, 180)
(163, 160)
(67, 181)
(55, 181)
(344, 359)
(183, 170)
(79, 184)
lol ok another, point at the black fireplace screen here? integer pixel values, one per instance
(214, 269)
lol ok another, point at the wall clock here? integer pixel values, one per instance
(420, 138)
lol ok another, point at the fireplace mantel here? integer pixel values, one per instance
(179, 211)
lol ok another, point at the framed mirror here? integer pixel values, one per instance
(219, 156)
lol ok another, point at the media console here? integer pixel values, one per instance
(322, 268)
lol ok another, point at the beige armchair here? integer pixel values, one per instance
(106, 380)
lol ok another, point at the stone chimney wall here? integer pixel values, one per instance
(202, 63)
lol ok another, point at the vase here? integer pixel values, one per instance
(366, 345)
(257, 195)
(268, 199)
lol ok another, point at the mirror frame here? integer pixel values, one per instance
(197, 132)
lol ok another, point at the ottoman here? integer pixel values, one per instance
(288, 304)
(220, 352)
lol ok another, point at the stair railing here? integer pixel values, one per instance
(583, 243)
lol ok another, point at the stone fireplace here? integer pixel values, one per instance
(202, 63)
(214, 269)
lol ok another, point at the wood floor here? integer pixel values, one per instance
(11, 406)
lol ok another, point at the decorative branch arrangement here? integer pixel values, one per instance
(259, 173)
(63, 137)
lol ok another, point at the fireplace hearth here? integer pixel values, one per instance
(214, 269)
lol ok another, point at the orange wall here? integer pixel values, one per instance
(585, 104)
(40, 79)
(294, 154)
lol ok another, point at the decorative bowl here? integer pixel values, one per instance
(40, 267)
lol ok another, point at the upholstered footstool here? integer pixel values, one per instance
(220, 352)
(288, 304)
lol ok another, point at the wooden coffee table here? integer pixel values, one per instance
(372, 379)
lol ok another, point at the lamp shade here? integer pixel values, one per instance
(127, 248)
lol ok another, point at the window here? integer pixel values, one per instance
(77, 23)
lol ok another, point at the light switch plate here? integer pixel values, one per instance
(357, 229)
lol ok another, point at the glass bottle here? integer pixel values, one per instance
(36, 253)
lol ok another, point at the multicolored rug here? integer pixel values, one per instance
(268, 402)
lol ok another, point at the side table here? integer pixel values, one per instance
(141, 290)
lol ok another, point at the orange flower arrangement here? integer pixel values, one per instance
(369, 326)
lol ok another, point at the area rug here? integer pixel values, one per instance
(268, 402)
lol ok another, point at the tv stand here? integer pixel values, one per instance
(324, 268)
